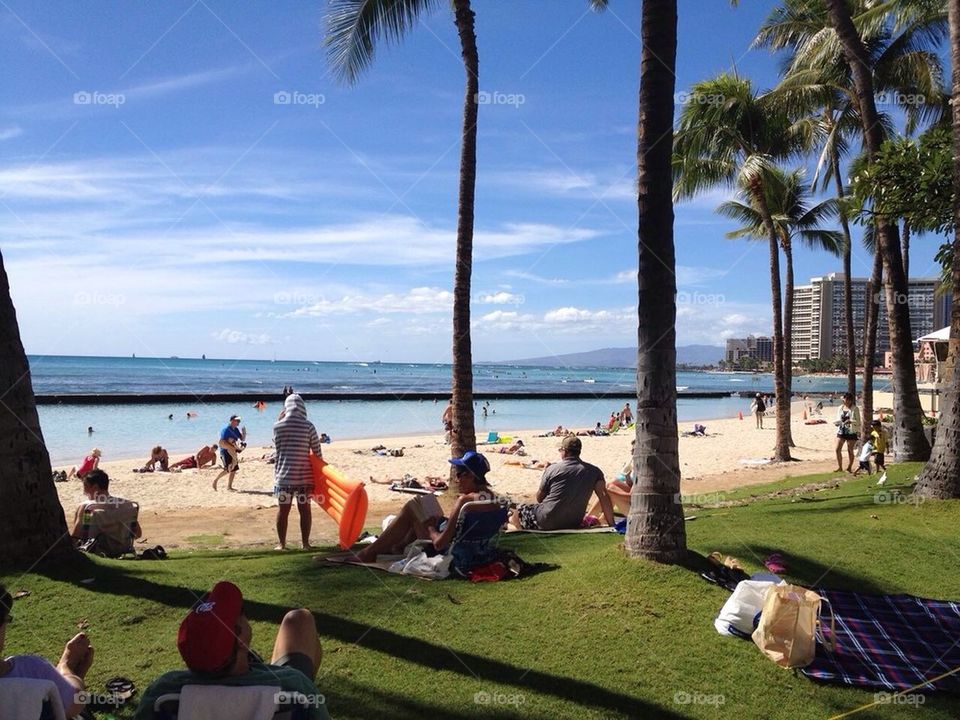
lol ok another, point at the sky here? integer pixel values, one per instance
(190, 177)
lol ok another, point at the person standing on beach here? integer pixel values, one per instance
(230, 438)
(447, 420)
(758, 407)
(294, 437)
(848, 430)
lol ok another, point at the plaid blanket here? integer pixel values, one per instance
(894, 642)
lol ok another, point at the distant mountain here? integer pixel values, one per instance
(622, 357)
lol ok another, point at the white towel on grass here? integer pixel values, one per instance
(211, 702)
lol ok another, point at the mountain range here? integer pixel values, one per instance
(622, 357)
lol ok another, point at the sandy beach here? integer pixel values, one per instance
(182, 510)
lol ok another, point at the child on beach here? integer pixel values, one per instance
(878, 437)
(866, 452)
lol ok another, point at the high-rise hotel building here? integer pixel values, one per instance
(819, 330)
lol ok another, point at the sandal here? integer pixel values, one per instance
(121, 689)
(774, 563)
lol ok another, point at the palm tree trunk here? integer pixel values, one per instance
(655, 527)
(909, 440)
(847, 280)
(464, 435)
(940, 478)
(872, 306)
(905, 249)
(782, 448)
(788, 330)
(32, 526)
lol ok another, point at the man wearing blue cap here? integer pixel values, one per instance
(410, 524)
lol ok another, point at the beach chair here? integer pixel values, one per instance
(230, 701)
(493, 437)
(110, 527)
(612, 430)
(478, 533)
(30, 699)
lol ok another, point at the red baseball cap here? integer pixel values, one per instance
(208, 635)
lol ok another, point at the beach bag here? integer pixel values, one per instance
(789, 625)
(739, 614)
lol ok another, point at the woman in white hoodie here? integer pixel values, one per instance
(294, 437)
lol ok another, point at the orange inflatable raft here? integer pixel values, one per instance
(342, 499)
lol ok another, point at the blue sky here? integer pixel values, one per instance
(188, 177)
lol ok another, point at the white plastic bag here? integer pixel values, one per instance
(739, 613)
(418, 563)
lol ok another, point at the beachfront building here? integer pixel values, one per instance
(819, 330)
(758, 348)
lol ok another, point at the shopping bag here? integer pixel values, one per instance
(789, 625)
(739, 613)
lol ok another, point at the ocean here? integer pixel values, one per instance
(129, 430)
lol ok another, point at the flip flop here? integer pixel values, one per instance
(121, 688)
(774, 563)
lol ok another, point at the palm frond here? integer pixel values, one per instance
(355, 26)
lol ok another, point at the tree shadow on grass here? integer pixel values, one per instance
(119, 580)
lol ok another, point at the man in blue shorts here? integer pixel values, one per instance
(231, 438)
(214, 642)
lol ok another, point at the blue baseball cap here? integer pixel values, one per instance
(474, 463)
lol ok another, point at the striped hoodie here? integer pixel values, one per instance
(293, 437)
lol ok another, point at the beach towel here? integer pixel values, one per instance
(893, 642)
(348, 558)
(567, 531)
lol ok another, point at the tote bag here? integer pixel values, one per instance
(789, 624)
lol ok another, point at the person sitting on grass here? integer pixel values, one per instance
(67, 675)
(207, 455)
(214, 641)
(471, 470)
(565, 489)
(111, 541)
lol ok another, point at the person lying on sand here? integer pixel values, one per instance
(157, 455)
(515, 449)
(207, 455)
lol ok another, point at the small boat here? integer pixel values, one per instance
(589, 380)
(682, 387)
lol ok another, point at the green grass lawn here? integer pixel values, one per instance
(599, 636)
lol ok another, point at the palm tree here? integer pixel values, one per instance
(794, 218)
(728, 135)
(655, 527)
(910, 442)
(816, 83)
(353, 27)
(940, 477)
(32, 526)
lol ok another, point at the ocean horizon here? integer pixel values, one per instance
(130, 430)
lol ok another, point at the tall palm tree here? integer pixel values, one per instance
(940, 477)
(32, 526)
(353, 27)
(909, 442)
(795, 218)
(816, 82)
(655, 527)
(728, 135)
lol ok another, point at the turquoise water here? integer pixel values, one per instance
(129, 431)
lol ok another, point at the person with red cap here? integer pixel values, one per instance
(214, 642)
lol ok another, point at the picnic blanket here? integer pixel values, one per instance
(894, 642)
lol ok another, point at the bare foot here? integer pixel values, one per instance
(307, 546)
(214, 485)
(280, 547)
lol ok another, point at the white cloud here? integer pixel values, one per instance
(500, 298)
(237, 337)
(8, 133)
(416, 301)
(566, 183)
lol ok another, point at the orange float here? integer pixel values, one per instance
(342, 499)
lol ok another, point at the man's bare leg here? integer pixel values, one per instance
(298, 634)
